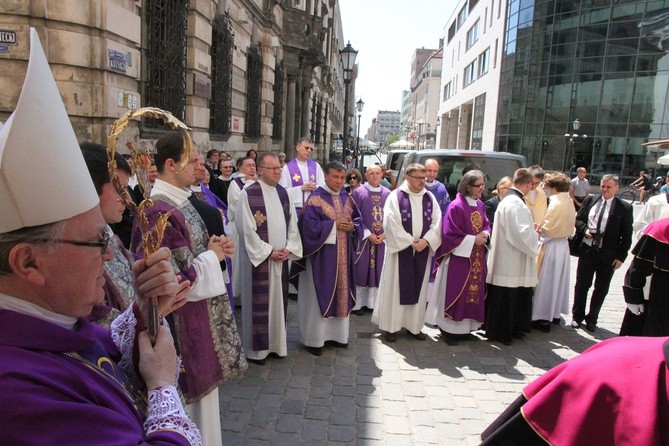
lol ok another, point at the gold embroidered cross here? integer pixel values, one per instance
(296, 177)
(259, 218)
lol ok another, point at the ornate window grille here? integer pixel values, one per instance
(253, 92)
(325, 124)
(277, 118)
(222, 46)
(166, 22)
(319, 115)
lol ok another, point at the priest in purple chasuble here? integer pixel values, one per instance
(370, 199)
(64, 380)
(458, 300)
(438, 189)
(268, 237)
(205, 328)
(326, 293)
(412, 227)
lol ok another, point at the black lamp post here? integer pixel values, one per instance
(571, 139)
(359, 105)
(347, 56)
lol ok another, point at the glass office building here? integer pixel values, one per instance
(603, 62)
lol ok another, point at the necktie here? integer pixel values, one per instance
(601, 215)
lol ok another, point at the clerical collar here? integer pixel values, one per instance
(471, 200)
(30, 309)
(196, 188)
(176, 194)
(221, 177)
(325, 186)
(372, 188)
(405, 187)
(432, 184)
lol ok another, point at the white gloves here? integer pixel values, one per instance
(635, 308)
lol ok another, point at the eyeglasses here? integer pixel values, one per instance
(103, 243)
(308, 148)
(273, 169)
(478, 185)
(353, 177)
(417, 178)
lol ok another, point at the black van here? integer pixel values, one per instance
(452, 163)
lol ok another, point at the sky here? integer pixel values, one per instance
(385, 33)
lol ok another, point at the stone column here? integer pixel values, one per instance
(306, 105)
(289, 141)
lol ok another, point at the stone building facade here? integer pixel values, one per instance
(241, 74)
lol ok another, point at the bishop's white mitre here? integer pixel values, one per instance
(43, 177)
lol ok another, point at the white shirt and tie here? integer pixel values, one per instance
(598, 217)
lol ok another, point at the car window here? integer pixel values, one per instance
(396, 161)
(453, 167)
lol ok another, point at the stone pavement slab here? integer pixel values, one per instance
(409, 392)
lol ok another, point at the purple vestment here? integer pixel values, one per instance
(440, 192)
(50, 398)
(369, 256)
(205, 330)
(333, 265)
(465, 283)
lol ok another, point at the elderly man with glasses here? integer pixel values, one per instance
(412, 229)
(65, 380)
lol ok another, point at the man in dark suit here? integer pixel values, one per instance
(606, 222)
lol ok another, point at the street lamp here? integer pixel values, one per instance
(359, 105)
(571, 139)
(347, 56)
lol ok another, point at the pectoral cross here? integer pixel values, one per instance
(296, 178)
(259, 218)
(313, 178)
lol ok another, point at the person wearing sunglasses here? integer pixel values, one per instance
(353, 180)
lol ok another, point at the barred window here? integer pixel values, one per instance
(254, 68)
(164, 85)
(222, 45)
(277, 118)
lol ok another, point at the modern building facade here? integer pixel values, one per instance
(240, 73)
(470, 75)
(425, 89)
(604, 63)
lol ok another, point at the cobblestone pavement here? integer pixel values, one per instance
(406, 393)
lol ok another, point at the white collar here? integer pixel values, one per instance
(372, 188)
(405, 187)
(178, 195)
(30, 309)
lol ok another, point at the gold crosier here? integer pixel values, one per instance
(152, 237)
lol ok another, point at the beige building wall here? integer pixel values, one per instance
(79, 36)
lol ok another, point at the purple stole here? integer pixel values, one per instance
(296, 175)
(260, 273)
(239, 182)
(411, 276)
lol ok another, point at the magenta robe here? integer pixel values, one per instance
(465, 286)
